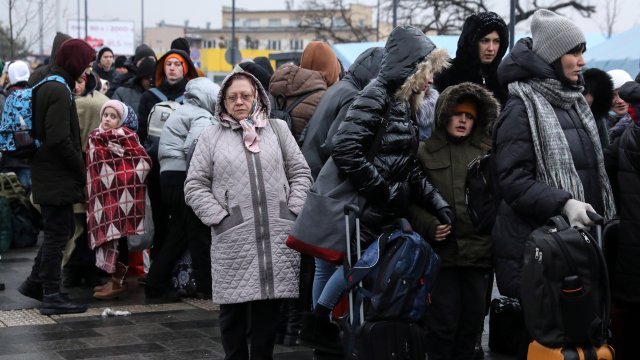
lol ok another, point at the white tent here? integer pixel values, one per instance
(621, 51)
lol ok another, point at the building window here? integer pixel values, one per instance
(275, 23)
(252, 23)
(296, 44)
(294, 22)
(273, 45)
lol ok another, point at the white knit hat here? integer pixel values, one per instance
(553, 35)
(18, 71)
(619, 78)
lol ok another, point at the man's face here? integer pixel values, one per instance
(173, 70)
(488, 47)
(106, 60)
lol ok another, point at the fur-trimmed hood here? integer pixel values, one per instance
(405, 54)
(598, 83)
(435, 62)
(488, 106)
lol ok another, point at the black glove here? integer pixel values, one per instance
(445, 215)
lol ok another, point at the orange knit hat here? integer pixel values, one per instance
(467, 106)
(185, 67)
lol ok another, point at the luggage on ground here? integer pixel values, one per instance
(505, 323)
(366, 339)
(565, 293)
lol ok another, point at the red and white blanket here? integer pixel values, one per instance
(117, 166)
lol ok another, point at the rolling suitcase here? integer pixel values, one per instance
(505, 320)
(375, 340)
(584, 351)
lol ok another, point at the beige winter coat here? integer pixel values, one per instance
(251, 201)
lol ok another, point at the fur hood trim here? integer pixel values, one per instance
(488, 106)
(434, 63)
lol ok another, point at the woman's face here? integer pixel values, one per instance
(572, 65)
(460, 124)
(619, 106)
(239, 97)
(110, 119)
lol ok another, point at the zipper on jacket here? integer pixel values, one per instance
(286, 194)
(226, 200)
(261, 235)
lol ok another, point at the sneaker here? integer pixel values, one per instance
(32, 289)
(60, 303)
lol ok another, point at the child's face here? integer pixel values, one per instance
(461, 124)
(110, 119)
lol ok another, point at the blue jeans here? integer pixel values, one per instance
(328, 284)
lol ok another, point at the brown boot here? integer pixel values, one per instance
(101, 287)
(116, 287)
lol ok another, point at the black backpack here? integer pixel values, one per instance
(479, 195)
(565, 287)
(283, 112)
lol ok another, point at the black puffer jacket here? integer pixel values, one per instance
(525, 202)
(467, 66)
(408, 56)
(622, 159)
(333, 107)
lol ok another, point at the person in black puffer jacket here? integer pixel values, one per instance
(622, 159)
(394, 176)
(472, 63)
(333, 107)
(547, 154)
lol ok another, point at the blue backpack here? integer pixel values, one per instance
(17, 137)
(398, 272)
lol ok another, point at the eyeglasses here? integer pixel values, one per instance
(244, 97)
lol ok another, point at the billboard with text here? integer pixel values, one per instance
(118, 35)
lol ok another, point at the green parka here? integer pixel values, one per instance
(445, 161)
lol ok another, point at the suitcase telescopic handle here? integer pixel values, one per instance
(599, 220)
(351, 208)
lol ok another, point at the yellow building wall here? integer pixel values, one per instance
(212, 60)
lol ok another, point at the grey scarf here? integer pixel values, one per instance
(554, 163)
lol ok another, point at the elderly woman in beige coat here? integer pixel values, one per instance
(248, 180)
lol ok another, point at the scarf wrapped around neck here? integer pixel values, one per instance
(257, 119)
(554, 162)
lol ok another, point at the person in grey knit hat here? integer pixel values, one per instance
(547, 155)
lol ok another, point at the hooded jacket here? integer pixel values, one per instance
(185, 125)
(171, 91)
(291, 81)
(40, 73)
(524, 202)
(445, 163)
(131, 91)
(467, 65)
(57, 168)
(333, 107)
(89, 105)
(408, 56)
(250, 200)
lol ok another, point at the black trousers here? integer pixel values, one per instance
(175, 239)
(456, 313)
(199, 243)
(58, 227)
(263, 315)
(159, 213)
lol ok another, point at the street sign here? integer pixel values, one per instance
(227, 55)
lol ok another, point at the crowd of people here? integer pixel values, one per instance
(228, 170)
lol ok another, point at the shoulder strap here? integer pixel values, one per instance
(159, 94)
(280, 136)
(298, 100)
(180, 99)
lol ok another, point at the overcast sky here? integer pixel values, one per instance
(199, 12)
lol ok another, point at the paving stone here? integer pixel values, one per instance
(191, 324)
(49, 355)
(170, 335)
(202, 304)
(112, 351)
(37, 337)
(24, 317)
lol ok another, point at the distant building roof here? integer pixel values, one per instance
(621, 51)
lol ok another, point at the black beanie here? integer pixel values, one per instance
(265, 63)
(257, 71)
(146, 69)
(181, 44)
(120, 60)
(142, 51)
(102, 51)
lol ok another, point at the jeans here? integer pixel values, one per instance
(330, 286)
(23, 174)
(58, 226)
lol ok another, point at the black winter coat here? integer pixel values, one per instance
(395, 163)
(467, 66)
(57, 169)
(622, 159)
(525, 202)
(333, 106)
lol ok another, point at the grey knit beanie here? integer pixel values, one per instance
(553, 35)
